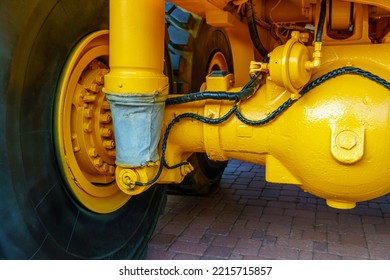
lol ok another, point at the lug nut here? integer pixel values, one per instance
(89, 98)
(98, 162)
(105, 105)
(87, 127)
(88, 112)
(105, 118)
(105, 167)
(92, 152)
(112, 153)
(109, 144)
(94, 88)
(106, 132)
(111, 169)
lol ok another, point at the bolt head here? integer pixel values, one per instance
(347, 140)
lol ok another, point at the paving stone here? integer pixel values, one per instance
(175, 229)
(247, 247)
(278, 253)
(348, 250)
(227, 241)
(247, 218)
(379, 251)
(155, 254)
(220, 252)
(320, 246)
(295, 243)
(188, 248)
(325, 256)
(162, 241)
(186, 257)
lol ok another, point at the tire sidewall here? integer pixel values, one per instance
(210, 41)
(43, 221)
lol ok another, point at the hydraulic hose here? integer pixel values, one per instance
(250, 15)
(321, 21)
(245, 92)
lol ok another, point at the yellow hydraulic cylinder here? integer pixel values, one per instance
(136, 47)
(136, 87)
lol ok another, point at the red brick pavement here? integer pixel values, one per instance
(248, 218)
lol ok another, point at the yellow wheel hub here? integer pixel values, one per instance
(84, 131)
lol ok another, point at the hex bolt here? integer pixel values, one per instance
(347, 140)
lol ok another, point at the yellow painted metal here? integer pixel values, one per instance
(360, 33)
(385, 4)
(136, 47)
(83, 128)
(290, 11)
(333, 142)
(242, 50)
(340, 16)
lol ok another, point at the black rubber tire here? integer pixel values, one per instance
(39, 218)
(192, 44)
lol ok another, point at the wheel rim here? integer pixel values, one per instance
(84, 136)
